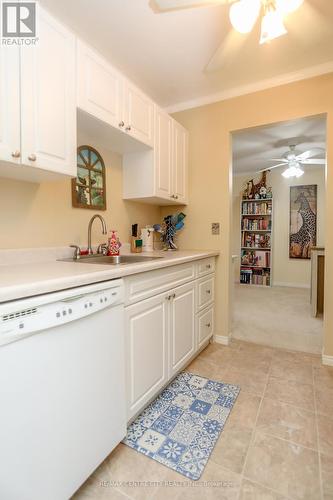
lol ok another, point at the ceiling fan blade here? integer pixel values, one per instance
(277, 159)
(310, 153)
(160, 6)
(314, 161)
(270, 168)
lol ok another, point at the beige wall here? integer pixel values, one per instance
(292, 272)
(35, 215)
(210, 130)
(42, 215)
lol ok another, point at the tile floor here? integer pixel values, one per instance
(277, 443)
(285, 319)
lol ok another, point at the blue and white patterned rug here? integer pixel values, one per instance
(180, 428)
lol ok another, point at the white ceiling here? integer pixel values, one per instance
(177, 57)
(252, 148)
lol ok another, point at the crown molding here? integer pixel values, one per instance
(296, 76)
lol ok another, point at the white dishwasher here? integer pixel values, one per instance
(62, 389)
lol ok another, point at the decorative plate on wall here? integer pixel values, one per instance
(88, 188)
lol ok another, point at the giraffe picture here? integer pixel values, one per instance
(303, 221)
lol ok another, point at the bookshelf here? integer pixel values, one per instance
(256, 242)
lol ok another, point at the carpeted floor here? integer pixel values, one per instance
(277, 317)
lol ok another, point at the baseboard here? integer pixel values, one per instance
(290, 285)
(221, 339)
(327, 360)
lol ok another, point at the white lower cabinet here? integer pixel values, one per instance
(146, 327)
(164, 331)
(182, 327)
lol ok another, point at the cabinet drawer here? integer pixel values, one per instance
(205, 292)
(205, 266)
(205, 325)
(141, 286)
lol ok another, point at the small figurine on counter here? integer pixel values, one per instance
(114, 243)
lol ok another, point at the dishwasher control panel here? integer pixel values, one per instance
(16, 324)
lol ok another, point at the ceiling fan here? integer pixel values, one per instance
(294, 160)
(243, 13)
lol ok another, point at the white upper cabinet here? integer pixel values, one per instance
(180, 163)
(48, 99)
(99, 87)
(139, 114)
(9, 104)
(162, 177)
(38, 106)
(163, 154)
(105, 94)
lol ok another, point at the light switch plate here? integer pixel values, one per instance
(215, 228)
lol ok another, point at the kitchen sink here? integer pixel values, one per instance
(112, 259)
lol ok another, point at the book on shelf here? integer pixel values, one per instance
(257, 207)
(250, 276)
(262, 259)
(256, 240)
(256, 258)
(256, 224)
(246, 276)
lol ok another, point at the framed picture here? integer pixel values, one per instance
(88, 188)
(303, 221)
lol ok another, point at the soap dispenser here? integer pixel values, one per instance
(114, 243)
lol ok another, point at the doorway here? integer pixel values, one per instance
(278, 216)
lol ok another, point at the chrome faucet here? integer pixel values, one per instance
(104, 230)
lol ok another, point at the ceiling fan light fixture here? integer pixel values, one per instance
(293, 171)
(243, 15)
(272, 25)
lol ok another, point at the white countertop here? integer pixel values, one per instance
(23, 276)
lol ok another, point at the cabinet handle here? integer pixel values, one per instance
(121, 124)
(208, 266)
(168, 297)
(208, 325)
(173, 296)
(16, 154)
(128, 128)
(208, 291)
(32, 157)
(176, 197)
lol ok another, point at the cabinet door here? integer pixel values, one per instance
(48, 93)
(163, 154)
(99, 87)
(182, 326)
(10, 144)
(180, 163)
(146, 351)
(139, 115)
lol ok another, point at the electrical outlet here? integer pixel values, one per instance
(215, 228)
